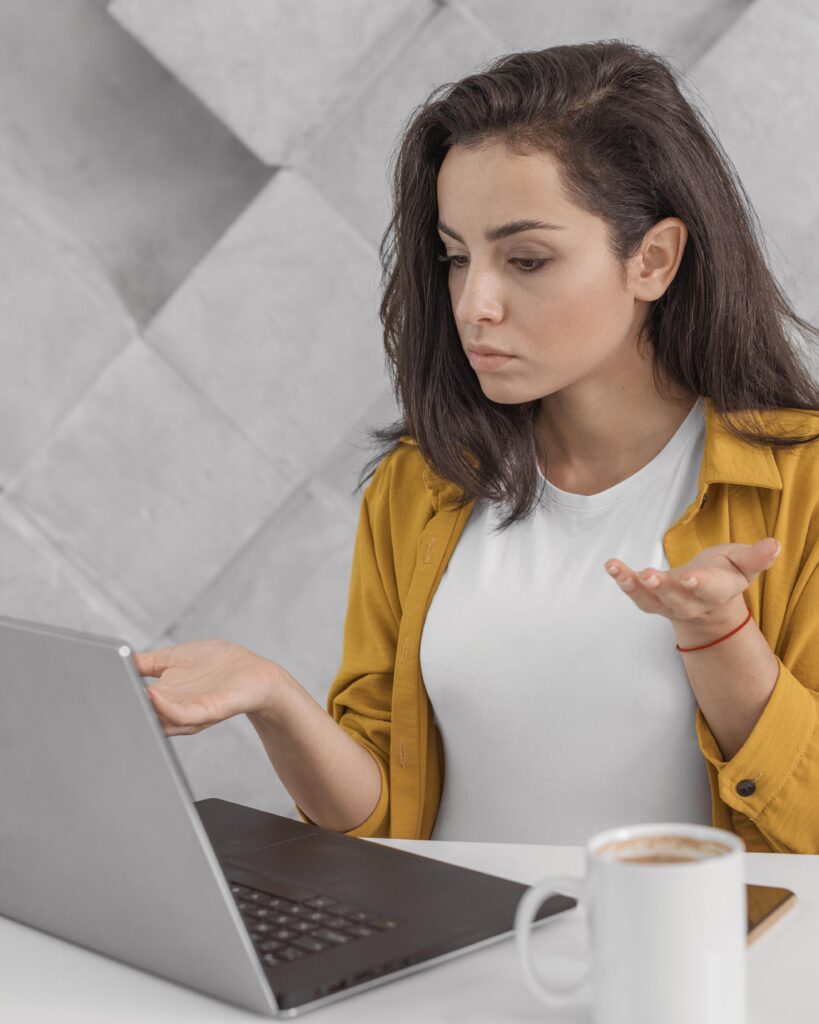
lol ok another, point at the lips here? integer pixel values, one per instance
(488, 362)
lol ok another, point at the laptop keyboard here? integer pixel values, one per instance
(284, 928)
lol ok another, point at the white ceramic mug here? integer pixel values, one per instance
(668, 941)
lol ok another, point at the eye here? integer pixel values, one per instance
(452, 259)
(538, 263)
(529, 270)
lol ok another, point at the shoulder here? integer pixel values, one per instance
(793, 423)
(790, 421)
(410, 488)
(401, 478)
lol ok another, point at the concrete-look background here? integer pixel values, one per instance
(191, 197)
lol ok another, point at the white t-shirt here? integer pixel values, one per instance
(564, 708)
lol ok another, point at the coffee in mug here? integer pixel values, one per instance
(667, 913)
(662, 849)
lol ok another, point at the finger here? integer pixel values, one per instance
(184, 730)
(655, 591)
(640, 595)
(670, 589)
(170, 729)
(769, 548)
(153, 663)
(616, 569)
(629, 582)
(751, 559)
(624, 576)
(176, 713)
(715, 588)
(676, 598)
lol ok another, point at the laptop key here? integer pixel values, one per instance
(360, 930)
(328, 935)
(277, 903)
(336, 922)
(281, 919)
(291, 953)
(345, 910)
(356, 915)
(271, 959)
(303, 926)
(321, 902)
(310, 944)
(298, 910)
(317, 916)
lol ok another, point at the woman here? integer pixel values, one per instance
(569, 209)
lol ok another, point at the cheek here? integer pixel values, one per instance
(582, 300)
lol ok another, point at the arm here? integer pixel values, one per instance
(334, 779)
(336, 763)
(734, 679)
(780, 752)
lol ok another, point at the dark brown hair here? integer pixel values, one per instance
(631, 150)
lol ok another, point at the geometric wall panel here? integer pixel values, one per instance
(121, 153)
(767, 121)
(62, 322)
(682, 31)
(277, 325)
(147, 487)
(348, 162)
(272, 71)
(38, 583)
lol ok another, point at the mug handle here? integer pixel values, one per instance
(531, 901)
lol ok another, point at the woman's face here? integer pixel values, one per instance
(553, 298)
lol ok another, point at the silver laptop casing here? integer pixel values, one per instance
(83, 754)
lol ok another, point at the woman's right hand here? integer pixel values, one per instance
(203, 682)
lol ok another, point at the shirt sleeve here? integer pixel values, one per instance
(360, 696)
(781, 754)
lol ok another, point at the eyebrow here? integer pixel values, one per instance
(503, 230)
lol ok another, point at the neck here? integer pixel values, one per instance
(595, 444)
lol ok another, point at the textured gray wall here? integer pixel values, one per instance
(192, 196)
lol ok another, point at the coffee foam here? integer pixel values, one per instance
(677, 846)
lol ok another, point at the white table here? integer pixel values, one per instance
(45, 980)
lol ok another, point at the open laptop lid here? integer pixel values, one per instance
(83, 753)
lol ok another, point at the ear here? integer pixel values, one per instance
(655, 265)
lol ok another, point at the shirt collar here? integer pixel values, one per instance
(728, 459)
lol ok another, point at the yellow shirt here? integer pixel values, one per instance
(407, 531)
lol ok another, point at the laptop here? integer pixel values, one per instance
(102, 844)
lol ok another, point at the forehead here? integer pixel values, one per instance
(483, 177)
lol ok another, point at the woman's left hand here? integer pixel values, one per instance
(721, 573)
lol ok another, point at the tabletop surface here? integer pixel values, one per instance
(45, 979)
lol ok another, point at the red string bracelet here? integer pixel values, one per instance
(739, 627)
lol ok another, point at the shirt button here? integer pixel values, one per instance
(746, 787)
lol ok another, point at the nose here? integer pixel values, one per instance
(478, 296)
